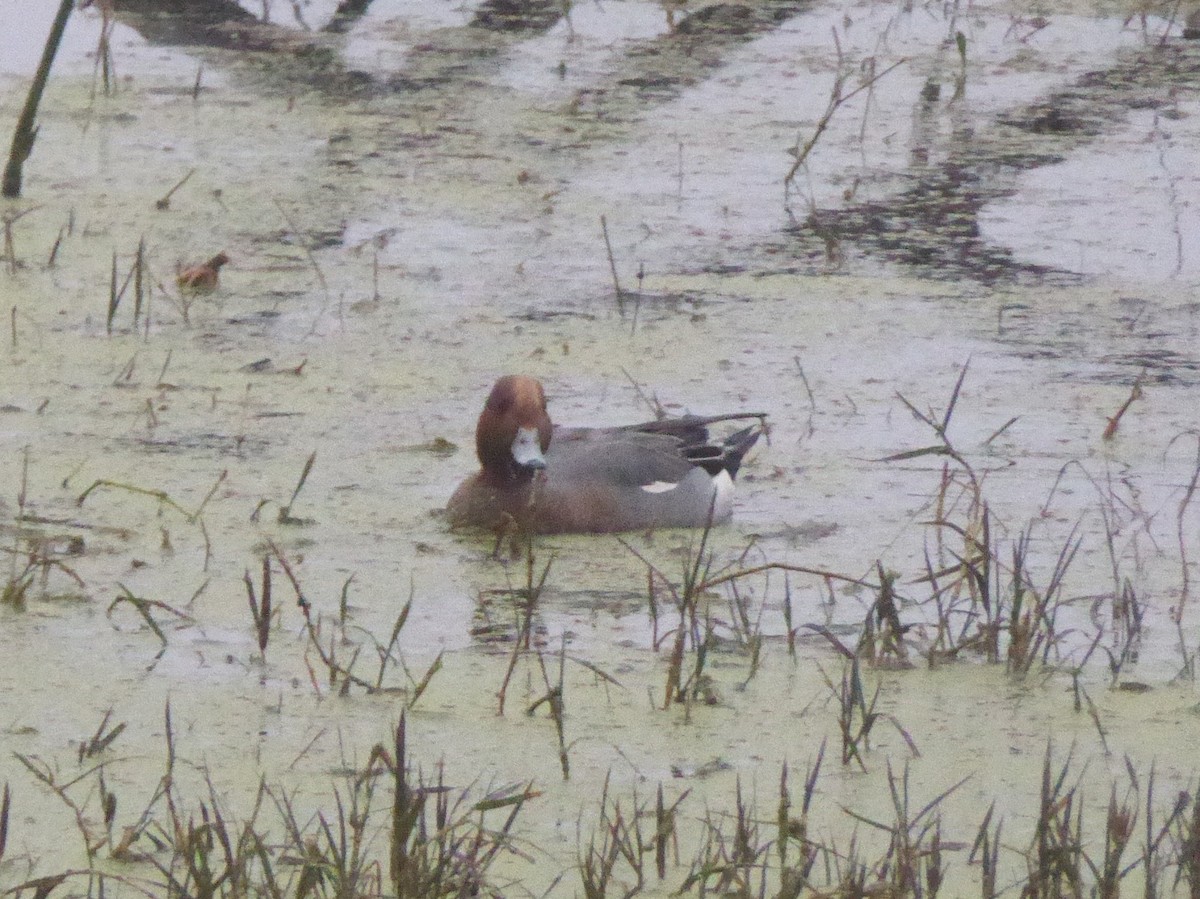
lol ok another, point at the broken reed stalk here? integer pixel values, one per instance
(285, 513)
(102, 739)
(10, 251)
(104, 57)
(52, 259)
(385, 652)
(612, 267)
(418, 687)
(27, 130)
(527, 605)
(885, 617)
(139, 269)
(164, 202)
(48, 776)
(38, 558)
(987, 848)
(1189, 660)
(5, 809)
(1110, 429)
(837, 99)
(554, 699)
(10, 244)
(789, 620)
(260, 609)
(114, 296)
(312, 259)
(531, 595)
(666, 834)
(161, 495)
(146, 608)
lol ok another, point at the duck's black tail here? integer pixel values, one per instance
(728, 454)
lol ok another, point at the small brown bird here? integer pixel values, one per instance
(201, 278)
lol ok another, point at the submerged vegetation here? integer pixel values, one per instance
(217, 513)
(975, 598)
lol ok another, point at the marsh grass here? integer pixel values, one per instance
(986, 598)
(914, 864)
(838, 97)
(65, 788)
(736, 855)
(1187, 655)
(856, 713)
(613, 863)
(340, 675)
(698, 630)
(32, 552)
(695, 632)
(138, 276)
(438, 844)
(146, 608)
(389, 832)
(16, 586)
(524, 602)
(165, 502)
(732, 858)
(102, 739)
(795, 870)
(618, 293)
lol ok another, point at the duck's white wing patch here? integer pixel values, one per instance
(660, 486)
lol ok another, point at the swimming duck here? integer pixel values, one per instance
(551, 479)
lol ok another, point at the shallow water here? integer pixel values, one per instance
(477, 190)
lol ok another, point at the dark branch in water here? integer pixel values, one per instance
(26, 132)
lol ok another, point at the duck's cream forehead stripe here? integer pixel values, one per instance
(526, 448)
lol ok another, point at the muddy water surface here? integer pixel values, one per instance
(397, 246)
